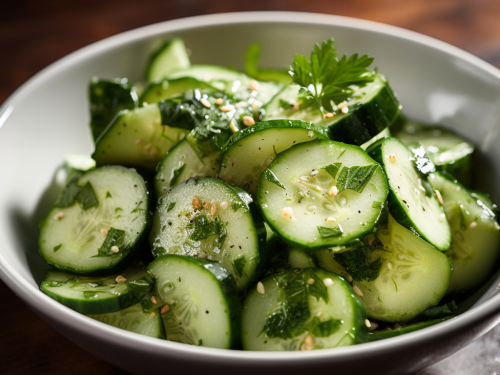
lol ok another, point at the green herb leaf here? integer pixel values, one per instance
(74, 193)
(360, 264)
(203, 228)
(176, 173)
(170, 206)
(355, 178)
(323, 329)
(86, 197)
(285, 104)
(115, 237)
(325, 78)
(252, 60)
(376, 204)
(238, 265)
(333, 169)
(442, 311)
(325, 232)
(271, 177)
(57, 247)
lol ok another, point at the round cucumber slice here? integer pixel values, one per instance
(321, 194)
(92, 295)
(251, 150)
(413, 276)
(302, 310)
(412, 202)
(206, 218)
(179, 164)
(203, 305)
(97, 223)
(475, 247)
(135, 320)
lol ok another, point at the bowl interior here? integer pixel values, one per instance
(48, 117)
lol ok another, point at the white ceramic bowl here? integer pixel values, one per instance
(47, 118)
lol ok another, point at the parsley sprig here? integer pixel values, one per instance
(325, 79)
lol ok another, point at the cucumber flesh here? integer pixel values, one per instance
(298, 258)
(92, 295)
(135, 320)
(288, 312)
(107, 98)
(179, 164)
(79, 239)
(383, 134)
(136, 139)
(203, 305)
(167, 88)
(412, 202)
(293, 194)
(170, 56)
(251, 150)
(205, 217)
(475, 247)
(413, 276)
(372, 109)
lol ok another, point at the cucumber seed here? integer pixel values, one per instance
(441, 217)
(333, 191)
(330, 220)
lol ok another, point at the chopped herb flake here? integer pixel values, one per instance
(115, 237)
(325, 232)
(333, 169)
(271, 177)
(355, 178)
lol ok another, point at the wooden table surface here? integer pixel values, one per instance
(33, 34)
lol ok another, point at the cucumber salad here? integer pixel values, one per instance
(268, 210)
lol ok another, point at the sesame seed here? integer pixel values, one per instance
(241, 104)
(287, 212)
(310, 281)
(206, 205)
(473, 225)
(164, 309)
(233, 126)
(115, 249)
(357, 291)
(440, 197)
(153, 299)
(59, 215)
(256, 105)
(389, 265)
(248, 121)
(310, 134)
(314, 172)
(420, 185)
(441, 217)
(223, 205)
(219, 101)
(152, 315)
(196, 203)
(373, 326)
(260, 288)
(254, 85)
(120, 279)
(342, 105)
(344, 110)
(392, 157)
(213, 210)
(349, 278)
(367, 323)
(205, 102)
(330, 220)
(226, 108)
(328, 282)
(137, 141)
(308, 343)
(104, 232)
(329, 115)
(333, 191)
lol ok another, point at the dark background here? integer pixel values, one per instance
(33, 34)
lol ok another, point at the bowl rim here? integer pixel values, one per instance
(85, 325)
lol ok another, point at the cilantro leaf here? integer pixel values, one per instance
(323, 329)
(271, 177)
(355, 178)
(324, 78)
(202, 228)
(439, 311)
(74, 193)
(325, 232)
(359, 264)
(238, 265)
(333, 169)
(115, 237)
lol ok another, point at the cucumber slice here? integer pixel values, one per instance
(376, 336)
(232, 82)
(203, 305)
(98, 212)
(251, 150)
(304, 310)
(372, 109)
(298, 258)
(92, 295)
(205, 217)
(166, 88)
(445, 149)
(411, 201)
(107, 98)
(179, 164)
(383, 134)
(321, 193)
(413, 276)
(475, 247)
(135, 320)
(136, 139)
(326, 260)
(170, 56)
